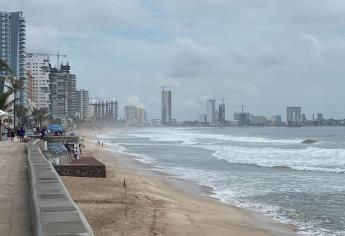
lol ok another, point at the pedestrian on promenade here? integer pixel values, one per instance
(13, 134)
(8, 134)
(21, 134)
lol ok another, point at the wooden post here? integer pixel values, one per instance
(125, 187)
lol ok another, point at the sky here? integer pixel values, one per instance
(265, 54)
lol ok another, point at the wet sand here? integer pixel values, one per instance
(157, 204)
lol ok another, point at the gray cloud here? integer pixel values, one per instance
(266, 54)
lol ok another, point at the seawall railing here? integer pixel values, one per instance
(53, 211)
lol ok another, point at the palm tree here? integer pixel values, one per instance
(14, 86)
(5, 67)
(5, 105)
(4, 96)
(40, 115)
(21, 112)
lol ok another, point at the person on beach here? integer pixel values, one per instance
(75, 156)
(102, 144)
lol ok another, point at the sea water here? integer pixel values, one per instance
(265, 169)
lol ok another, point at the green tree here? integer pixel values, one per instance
(5, 105)
(21, 112)
(14, 86)
(40, 115)
(4, 67)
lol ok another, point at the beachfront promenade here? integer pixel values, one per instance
(14, 190)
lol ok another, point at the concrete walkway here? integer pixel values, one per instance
(14, 190)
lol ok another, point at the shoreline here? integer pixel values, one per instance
(181, 202)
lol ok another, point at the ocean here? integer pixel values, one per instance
(266, 169)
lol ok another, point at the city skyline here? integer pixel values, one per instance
(267, 73)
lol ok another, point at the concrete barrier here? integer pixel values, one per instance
(53, 211)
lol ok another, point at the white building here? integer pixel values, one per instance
(131, 114)
(211, 110)
(38, 80)
(83, 104)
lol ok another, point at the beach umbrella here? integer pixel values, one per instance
(55, 128)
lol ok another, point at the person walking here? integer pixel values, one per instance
(13, 135)
(8, 134)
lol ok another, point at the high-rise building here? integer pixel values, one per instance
(211, 110)
(83, 103)
(276, 120)
(243, 118)
(221, 111)
(166, 107)
(142, 115)
(320, 117)
(38, 80)
(63, 97)
(294, 116)
(12, 49)
(104, 110)
(131, 114)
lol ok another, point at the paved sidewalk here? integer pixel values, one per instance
(14, 190)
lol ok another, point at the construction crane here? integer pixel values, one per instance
(58, 55)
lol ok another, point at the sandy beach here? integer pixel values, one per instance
(155, 205)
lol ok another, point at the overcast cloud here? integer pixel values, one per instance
(265, 54)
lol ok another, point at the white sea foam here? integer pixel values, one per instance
(310, 158)
(194, 137)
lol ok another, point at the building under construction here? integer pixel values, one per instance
(105, 110)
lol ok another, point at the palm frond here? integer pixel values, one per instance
(5, 67)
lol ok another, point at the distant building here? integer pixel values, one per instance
(12, 49)
(221, 113)
(320, 117)
(304, 119)
(38, 80)
(166, 106)
(243, 118)
(83, 103)
(202, 118)
(294, 117)
(131, 114)
(276, 120)
(258, 120)
(63, 93)
(135, 115)
(211, 110)
(104, 110)
(142, 115)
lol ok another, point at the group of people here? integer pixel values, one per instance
(12, 133)
(74, 150)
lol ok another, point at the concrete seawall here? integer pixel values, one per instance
(53, 212)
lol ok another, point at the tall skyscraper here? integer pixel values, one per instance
(166, 106)
(63, 98)
(38, 80)
(12, 48)
(211, 110)
(294, 116)
(83, 103)
(221, 110)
